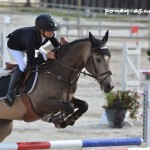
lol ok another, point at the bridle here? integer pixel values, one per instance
(97, 76)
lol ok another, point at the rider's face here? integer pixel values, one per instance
(48, 34)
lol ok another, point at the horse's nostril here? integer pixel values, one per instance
(108, 86)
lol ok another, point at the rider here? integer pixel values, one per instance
(27, 40)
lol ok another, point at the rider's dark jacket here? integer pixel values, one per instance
(29, 39)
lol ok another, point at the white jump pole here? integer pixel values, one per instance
(1, 48)
(133, 64)
(146, 112)
(4, 55)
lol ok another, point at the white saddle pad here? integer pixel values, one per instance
(4, 72)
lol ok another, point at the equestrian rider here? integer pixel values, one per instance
(27, 40)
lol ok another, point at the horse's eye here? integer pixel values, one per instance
(98, 60)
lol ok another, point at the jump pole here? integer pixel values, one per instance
(71, 144)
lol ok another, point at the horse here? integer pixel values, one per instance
(56, 85)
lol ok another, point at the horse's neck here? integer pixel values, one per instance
(77, 55)
(70, 63)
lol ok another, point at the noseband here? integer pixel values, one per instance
(97, 76)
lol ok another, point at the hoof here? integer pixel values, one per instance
(61, 125)
(57, 126)
(57, 119)
(72, 123)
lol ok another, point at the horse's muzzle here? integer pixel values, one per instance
(107, 86)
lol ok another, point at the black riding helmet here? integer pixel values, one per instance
(46, 22)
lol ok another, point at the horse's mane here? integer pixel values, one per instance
(62, 47)
(73, 42)
(78, 40)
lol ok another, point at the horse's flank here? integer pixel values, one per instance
(16, 112)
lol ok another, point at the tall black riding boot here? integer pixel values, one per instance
(11, 93)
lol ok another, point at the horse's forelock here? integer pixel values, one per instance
(99, 42)
(103, 50)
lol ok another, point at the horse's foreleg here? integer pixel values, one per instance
(5, 128)
(81, 107)
(60, 110)
(66, 109)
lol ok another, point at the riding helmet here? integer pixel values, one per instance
(46, 22)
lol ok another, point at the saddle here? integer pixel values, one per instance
(26, 86)
(10, 66)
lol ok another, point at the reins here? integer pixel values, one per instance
(76, 72)
(59, 77)
(70, 82)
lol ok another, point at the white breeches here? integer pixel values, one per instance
(20, 58)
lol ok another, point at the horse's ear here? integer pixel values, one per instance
(92, 39)
(105, 38)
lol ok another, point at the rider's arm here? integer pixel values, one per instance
(32, 60)
(43, 52)
(55, 42)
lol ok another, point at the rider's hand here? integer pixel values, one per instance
(50, 55)
(63, 41)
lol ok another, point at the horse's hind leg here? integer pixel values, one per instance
(5, 128)
(81, 107)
